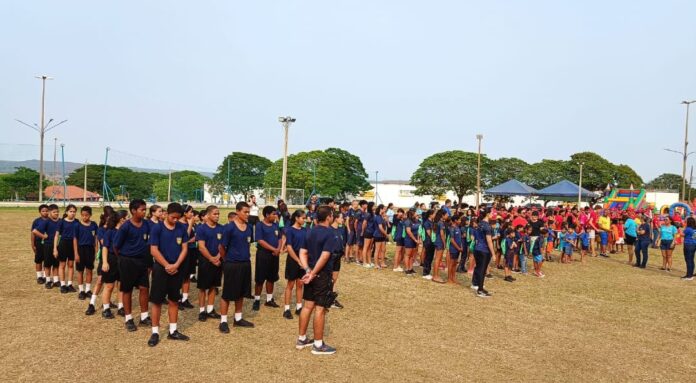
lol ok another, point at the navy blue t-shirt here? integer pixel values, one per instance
(455, 234)
(86, 233)
(378, 222)
(212, 236)
(439, 227)
(108, 242)
(427, 225)
(237, 243)
(399, 231)
(36, 223)
(319, 240)
(483, 230)
(269, 233)
(48, 227)
(371, 224)
(169, 241)
(342, 238)
(191, 245)
(360, 217)
(131, 241)
(67, 229)
(295, 238)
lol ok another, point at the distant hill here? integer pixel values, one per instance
(11, 166)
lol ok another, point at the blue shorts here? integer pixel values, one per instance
(666, 244)
(538, 258)
(568, 250)
(603, 238)
(454, 254)
(351, 238)
(439, 246)
(409, 244)
(399, 241)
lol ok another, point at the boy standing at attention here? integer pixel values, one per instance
(37, 240)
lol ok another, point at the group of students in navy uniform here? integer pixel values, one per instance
(159, 253)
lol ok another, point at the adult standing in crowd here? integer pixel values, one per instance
(482, 252)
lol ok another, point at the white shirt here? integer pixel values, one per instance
(254, 209)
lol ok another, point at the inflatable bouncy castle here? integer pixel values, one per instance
(623, 199)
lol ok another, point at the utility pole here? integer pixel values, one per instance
(65, 185)
(479, 137)
(580, 186)
(84, 192)
(686, 145)
(376, 184)
(55, 151)
(229, 193)
(286, 121)
(169, 187)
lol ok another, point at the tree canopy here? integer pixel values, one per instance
(21, 184)
(454, 170)
(246, 173)
(136, 184)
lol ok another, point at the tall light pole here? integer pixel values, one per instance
(479, 137)
(286, 121)
(376, 183)
(580, 185)
(686, 145)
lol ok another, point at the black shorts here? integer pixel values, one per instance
(455, 254)
(368, 236)
(66, 251)
(165, 286)
(113, 274)
(133, 273)
(380, 239)
(399, 241)
(86, 258)
(209, 275)
(509, 259)
(49, 259)
(148, 259)
(293, 270)
(336, 263)
(319, 290)
(630, 240)
(237, 281)
(267, 266)
(187, 267)
(352, 238)
(39, 252)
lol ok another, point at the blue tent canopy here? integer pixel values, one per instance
(565, 189)
(512, 188)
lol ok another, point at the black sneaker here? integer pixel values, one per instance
(121, 312)
(113, 306)
(81, 296)
(325, 349)
(202, 316)
(49, 285)
(130, 325)
(71, 289)
(486, 291)
(604, 255)
(287, 314)
(243, 323)
(301, 344)
(186, 304)
(337, 304)
(213, 314)
(154, 340)
(40, 281)
(88, 294)
(90, 310)
(298, 311)
(63, 289)
(147, 322)
(194, 279)
(181, 306)
(508, 279)
(256, 306)
(482, 294)
(271, 303)
(489, 275)
(176, 335)
(106, 314)
(224, 328)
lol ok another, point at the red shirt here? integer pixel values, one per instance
(519, 221)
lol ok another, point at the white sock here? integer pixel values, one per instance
(62, 283)
(257, 297)
(209, 308)
(106, 306)
(55, 279)
(172, 327)
(223, 318)
(82, 289)
(302, 337)
(88, 287)
(201, 309)
(93, 299)
(38, 274)
(143, 316)
(43, 274)
(120, 305)
(299, 306)
(318, 343)
(269, 297)
(69, 283)
(237, 316)
(191, 276)
(155, 330)
(287, 307)
(184, 297)
(129, 317)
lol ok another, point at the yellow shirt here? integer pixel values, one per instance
(604, 223)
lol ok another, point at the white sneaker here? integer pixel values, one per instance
(398, 270)
(416, 263)
(687, 278)
(367, 265)
(428, 277)
(474, 287)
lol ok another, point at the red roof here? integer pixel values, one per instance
(74, 193)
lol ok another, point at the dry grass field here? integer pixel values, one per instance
(603, 321)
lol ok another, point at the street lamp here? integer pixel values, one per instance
(479, 137)
(686, 144)
(580, 185)
(286, 121)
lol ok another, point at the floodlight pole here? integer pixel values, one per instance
(286, 121)
(62, 160)
(104, 188)
(686, 145)
(42, 132)
(479, 137)
(376, 183)
(580, 186)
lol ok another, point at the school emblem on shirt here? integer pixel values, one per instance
(249, 239)
(178, 240)
(145, 236)
(92, 232)
(276, 233)
(219, 236)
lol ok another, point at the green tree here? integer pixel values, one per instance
(5, 190)
(351, 171)
(22, 183)
(671, 182)
(187, 184)
(547, 172)
(625, 176)
(454, 170)
(329, 182)
(505, 169)
(597, 171)
(246, 173)
(136, 184)
(160, 189)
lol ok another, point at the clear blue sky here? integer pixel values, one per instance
(391, 81)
